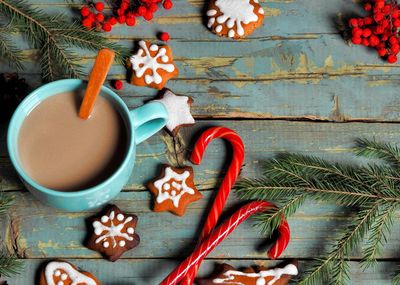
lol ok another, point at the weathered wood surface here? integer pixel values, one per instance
(296, 67)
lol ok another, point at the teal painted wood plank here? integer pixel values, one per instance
(152, 272)
(263, 139)
(37, 231)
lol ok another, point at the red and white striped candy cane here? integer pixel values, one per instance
(219, 234)
(227, 183)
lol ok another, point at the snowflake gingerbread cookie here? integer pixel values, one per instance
(64, 273)
(114, 232)
(252, 276)
(152, 65)
(234, 18)
(174, 190)
(178, 108)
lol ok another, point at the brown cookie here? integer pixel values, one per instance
(234, 18)
(64, 273)
(252, 276)
(114, 232)
(152, 65)
(178, 108)
(174, 190)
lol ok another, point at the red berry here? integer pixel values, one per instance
(124, 6)
(357, 32)
(99, 6)
(352, 22)
(368, 7)
(168, 4)
(107, 27)
(396, 23)
(130, 14)
(365, 42)
(120, 12)
(386, 9)
(368, 20)
(142, 10)
(100, 17)
(395, 49)
(121, 19)
(378, 17)
(118, 84)
(379, 4)
(360, 22)
(379, 30)
(91, 17)
(164, 36)
(393, 40)
(85, 11)
(130, 21)
(366, 33)
(392, 58)
(87, 23)
(356, 40)
(382, 52)
(153, 7)
(373, 40)
(148, 16)
(112, 21)
(395, 13)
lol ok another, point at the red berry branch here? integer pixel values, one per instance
(379, 30)
(124, 12)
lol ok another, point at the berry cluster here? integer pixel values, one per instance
(380, 30)
(125, 12)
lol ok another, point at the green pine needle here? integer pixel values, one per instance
(55, 38)
(373, 191)
(5, 204)
(396, 279)
(9, 265)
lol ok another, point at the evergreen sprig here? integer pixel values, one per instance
(373, 191)
(9, 265)
(54, 37)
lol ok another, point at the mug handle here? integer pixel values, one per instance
(148, 120)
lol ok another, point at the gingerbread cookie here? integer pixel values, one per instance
(174, 190)
(64, 273)
(114, 232)
(178, 108)
(251, 276)
(234, 18)
(152, 65)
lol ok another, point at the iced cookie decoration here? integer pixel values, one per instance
(178, 108)
(174, 190)
(152, 65)
(114, 232)
(253, 276)
(64, 273)
(234, 18)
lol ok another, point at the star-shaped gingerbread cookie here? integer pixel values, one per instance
(152, 65)
(252, 276)
(114, 232)
(174, 190)
(178, 108)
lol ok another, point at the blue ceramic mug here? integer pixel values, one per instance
(140, 123)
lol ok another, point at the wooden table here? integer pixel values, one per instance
(294, 85)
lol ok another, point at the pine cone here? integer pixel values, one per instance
(14, 90)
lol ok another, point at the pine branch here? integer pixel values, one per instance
(396, 279)
(9, 265)
(378, 233)
(5, 204)
(373, 149)
(9, 51)
(373, 190)
(55, 38)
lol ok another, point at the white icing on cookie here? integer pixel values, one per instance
(277, 273)
(112, 231)
(233, 12)
(54, 269)
(181, 186)
(178, 109)
(143, 61)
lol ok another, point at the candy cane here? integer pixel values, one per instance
(233, 171)
(227, 183)
(218, 235)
